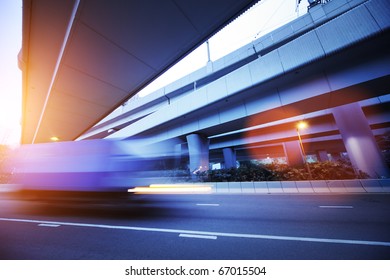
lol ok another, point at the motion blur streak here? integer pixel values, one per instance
(172, 189)
(90, 165)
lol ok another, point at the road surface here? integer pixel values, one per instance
(198, 227)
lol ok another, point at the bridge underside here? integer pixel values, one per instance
(81, 59)
(310, 74)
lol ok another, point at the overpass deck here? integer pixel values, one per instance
(275, 67)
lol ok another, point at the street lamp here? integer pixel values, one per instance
(300, 126)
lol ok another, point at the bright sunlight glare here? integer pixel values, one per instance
(10, 74)
(262, 18)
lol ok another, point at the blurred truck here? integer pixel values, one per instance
(88, 166)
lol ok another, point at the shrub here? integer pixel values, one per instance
(327, 170)
(249, 171)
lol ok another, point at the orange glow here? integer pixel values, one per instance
(10, 74)
(172, 189)
(301, 125)
(54, 138)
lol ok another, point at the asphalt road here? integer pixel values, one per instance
(202, 227)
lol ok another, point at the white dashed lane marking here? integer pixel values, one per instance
(207, 233)
(336, 206)
(48, 225)
(198, 236)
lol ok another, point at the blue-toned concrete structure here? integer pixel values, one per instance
(83, 58)
(329, 67)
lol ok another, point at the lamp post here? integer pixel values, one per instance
(303, 125)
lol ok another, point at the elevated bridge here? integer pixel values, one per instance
(81, 59)
(329, 67)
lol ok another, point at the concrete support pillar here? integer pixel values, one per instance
(198, 149)
(322, 155)
(359, 140)
(209, 67)
(293, 153)
(209, 62)
(230, 157)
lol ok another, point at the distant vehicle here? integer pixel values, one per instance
(88, 166)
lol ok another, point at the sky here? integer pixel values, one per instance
(259, 20)
(10, 74)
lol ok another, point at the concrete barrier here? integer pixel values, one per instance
(261, 187)
(247, 187)
(336, 186)
(385, 183)
(289, 187)
(304, 187)
(280, 187)
(320, 186)
(353, 186)
(235, 187)
(222, 187)
(372, 185)
(275, 187)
